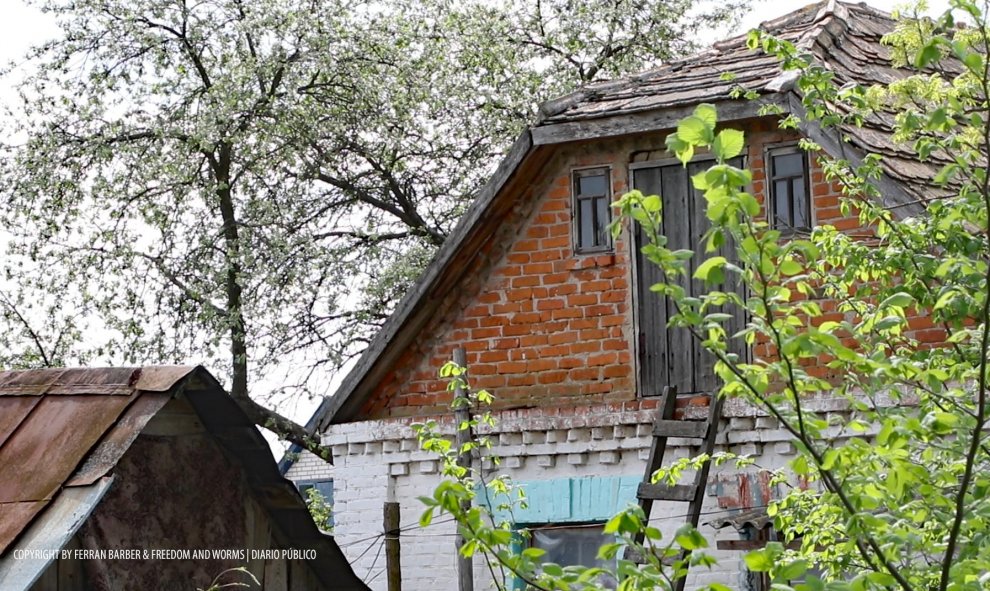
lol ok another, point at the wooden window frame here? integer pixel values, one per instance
(771, 183)
(576, 200)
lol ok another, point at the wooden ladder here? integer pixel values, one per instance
(664, 428)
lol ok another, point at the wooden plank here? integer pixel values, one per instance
(276, 575)
(71, 574)
(393, 568)
(666, 492)
(703, 361)
(651, 307)
(680, 428)
(677, 211)
(662, 118)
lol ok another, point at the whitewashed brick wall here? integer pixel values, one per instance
(309, 467)
(376, 461)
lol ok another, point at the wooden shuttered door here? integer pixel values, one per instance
(672, 356)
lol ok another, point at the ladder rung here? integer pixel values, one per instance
(666, 492)
(688, 429)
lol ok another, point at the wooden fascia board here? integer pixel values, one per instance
(649, 121)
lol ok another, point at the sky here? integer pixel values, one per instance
(24, 26)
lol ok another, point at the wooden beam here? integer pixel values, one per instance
(393, 569)
(657, 119)
(750, 544)
(674, 428)
(665, 492)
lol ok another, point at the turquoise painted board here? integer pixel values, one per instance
(568, 500)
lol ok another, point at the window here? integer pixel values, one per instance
(592, 210)
(789, 204)
(574, 545)
(325, 488)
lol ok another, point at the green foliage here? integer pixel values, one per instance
(320, 509)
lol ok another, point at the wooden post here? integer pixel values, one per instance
(391, 529)
(462, 413)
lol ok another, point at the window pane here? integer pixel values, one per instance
(788, 164)
(781, 203)
(602, 219)
(591, 185)
(573, 546)
(801, 217)
(587, 231)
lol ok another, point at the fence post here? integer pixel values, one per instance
(393, 571)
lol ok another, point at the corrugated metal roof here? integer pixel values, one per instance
(754, 518)
(62, 431)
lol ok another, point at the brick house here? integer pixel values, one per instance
(557, 319)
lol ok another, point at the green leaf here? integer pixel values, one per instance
(710, 271)
(728, 144)
(694, 131)
(759, 561)
(899, 299)
(690, 538)
(928, 54)
(792, 570)
(790, 267)
(707, 113)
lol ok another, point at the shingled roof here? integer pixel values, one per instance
(845, 38)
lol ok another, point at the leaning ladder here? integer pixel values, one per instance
(664, 428)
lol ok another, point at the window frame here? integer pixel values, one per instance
(770, 197)
(577, 198)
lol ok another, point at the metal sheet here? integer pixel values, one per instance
(48, 534)
(14, 517)
(755, 518)
(34, 382)
(110, 381)
(113, 445)
(13, 410)
(53, 440)
(161, 378)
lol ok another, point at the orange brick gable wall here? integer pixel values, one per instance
(549, 329)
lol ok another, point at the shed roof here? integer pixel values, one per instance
(62, 431)
(846, 38)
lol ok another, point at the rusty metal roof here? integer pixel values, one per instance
(62, 431)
